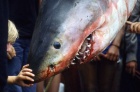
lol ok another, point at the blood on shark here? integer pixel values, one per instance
(74, 31)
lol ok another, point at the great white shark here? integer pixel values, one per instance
(71, 31)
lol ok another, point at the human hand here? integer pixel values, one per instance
(24, 75)
(131, 67)
(112, 54)
(10, 51)
(134, 27)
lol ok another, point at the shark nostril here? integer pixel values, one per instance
(57, 45)
(51, 66)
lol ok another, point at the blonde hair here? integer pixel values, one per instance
(12, 32)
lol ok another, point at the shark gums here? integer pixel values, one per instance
(69, 31)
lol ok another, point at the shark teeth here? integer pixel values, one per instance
(84, 57)
(77, 54)
(87, 51)
(88, 39)
(93, 38)
(72, 63)
(89, 45)
(77, 57)
(80, 53)
(84, 51)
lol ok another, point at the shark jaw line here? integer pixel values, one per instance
(84, 51)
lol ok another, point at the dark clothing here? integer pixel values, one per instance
(3, 42)
(22, 48)
(128, 52)
(135, 16)
(138, 52)
(129, 47)
(23, 13)
(14, 66)
(129, 83)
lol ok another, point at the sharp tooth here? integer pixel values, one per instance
(89, 45)
(87, 51)
(88, 39)
(93, 38)
(77, 57)
(80, 53)
(77, 54)
(73, 63)
(84, 57)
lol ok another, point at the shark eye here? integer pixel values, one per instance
(57, 45)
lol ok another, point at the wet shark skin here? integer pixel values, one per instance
(69, 22)
(115, 17)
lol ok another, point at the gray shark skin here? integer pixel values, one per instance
(69, 31)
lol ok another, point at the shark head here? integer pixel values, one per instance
(65, 33)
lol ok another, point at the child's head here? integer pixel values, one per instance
(12, 32)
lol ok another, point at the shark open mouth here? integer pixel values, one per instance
(80, 30)
(84, 51)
